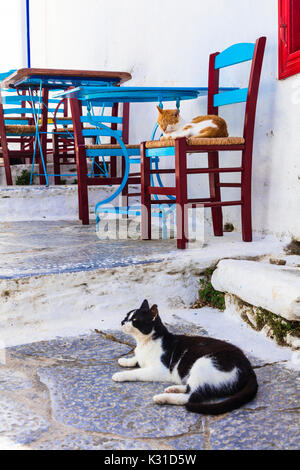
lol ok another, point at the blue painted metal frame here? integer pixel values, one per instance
(28, 34)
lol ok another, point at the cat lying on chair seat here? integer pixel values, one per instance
(173, 126)
(202, 368)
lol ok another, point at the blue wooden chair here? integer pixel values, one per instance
(102, 155)
(19, 121)
(180, 148)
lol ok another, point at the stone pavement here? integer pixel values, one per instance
(30, 248)
(59, 394)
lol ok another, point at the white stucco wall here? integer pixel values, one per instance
(167, 42)
(13, 35)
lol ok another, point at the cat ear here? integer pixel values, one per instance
(145, 305)
(160, 110)
(154, 311)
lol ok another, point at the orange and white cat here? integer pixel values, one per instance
(173, 126)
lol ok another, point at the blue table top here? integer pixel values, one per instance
(136, 94)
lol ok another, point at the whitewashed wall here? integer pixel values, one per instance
(13, 35)
(167, 42)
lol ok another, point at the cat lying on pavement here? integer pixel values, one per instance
(202, 368)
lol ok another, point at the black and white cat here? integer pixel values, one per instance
(202, 368)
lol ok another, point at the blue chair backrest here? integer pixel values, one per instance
(105, 129)
(235, 54)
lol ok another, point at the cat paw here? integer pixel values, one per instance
(127, 362)
(160, 399)
(118, 377)
(175, 389)
(123, 362)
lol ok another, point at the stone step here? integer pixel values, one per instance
(274, 288)
(48, 203)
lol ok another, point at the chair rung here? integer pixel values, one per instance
(167, 191)
(200, 200)
(163, 201)
(220, 204)
(229, 185)
(107, 181)
(203, 201)
(133, 194)
(162, 171)
(192, 171)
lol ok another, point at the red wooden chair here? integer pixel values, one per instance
(212, 146)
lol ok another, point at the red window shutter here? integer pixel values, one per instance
(288, 38)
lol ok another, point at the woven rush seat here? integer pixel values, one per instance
(197, 141)
(70, 129)
(20, 130)
(110, 146)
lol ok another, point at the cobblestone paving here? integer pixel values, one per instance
(50, 247)
(59, 395)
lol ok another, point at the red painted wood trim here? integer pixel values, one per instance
(81, 163)
(192, 171)
(125, 131)
(163, 191)
(145, 197)
(43, 135)
(108, 181)
(288, 60)
(162, 171)
(213, 148)
(4, 146)
(181, 193)
(213, 84)
(215, 193)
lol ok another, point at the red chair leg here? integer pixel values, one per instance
(181, 193)
(246, 196)
(145, 197)
(5, 156)
(215, 194)
(124, 192)
(83, 201)
(56, 163)
(43, 136)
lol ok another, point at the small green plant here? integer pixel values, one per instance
(228, 227)
(24, 178)
(280, 326)
(208, 295)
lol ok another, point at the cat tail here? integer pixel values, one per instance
(235, 401)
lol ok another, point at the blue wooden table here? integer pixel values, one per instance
(107, 95)
(38, 82)
(136, 94)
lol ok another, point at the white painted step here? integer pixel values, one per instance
(274, 288)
